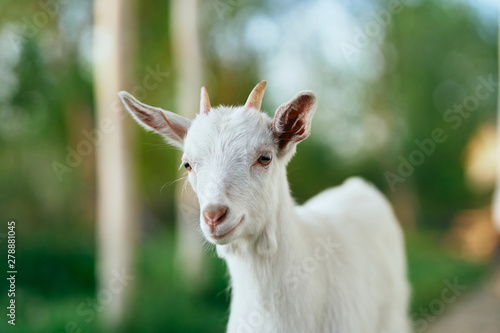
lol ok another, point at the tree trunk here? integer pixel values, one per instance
(496, 202)
(188, 64)
(116, 208)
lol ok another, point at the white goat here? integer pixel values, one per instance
(335, 264)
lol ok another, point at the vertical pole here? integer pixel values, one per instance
(187, 62)
(116, 207)
(496, 200)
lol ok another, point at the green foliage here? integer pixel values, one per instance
(441, 55)
(430, 265)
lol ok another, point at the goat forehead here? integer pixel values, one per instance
(231, 132)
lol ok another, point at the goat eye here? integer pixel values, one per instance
(265, 158)
(187, 166)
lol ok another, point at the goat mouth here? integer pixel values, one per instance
(229, 231)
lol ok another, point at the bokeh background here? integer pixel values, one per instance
(387, 74)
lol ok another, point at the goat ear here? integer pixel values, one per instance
(172, 126)
(292, 121)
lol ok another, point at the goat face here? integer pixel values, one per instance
(230, 154)
(235, 157)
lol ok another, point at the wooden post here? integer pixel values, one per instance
(496, 200)
(116, 207)
(187, 62)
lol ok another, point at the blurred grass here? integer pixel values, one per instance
(54, 281)
(430, 264)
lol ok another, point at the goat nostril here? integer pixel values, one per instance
(215, 214)
(223, 216)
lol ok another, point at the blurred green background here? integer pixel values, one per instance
(377, 94)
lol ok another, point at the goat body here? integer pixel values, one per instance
(339, 267)
(335, 264)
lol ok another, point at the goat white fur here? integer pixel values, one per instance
(335, 264)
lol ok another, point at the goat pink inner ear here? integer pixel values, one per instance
(172, 126)
(294, 129)
(179, 130)
(292, 122)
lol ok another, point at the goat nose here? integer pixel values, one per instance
(215, 214)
